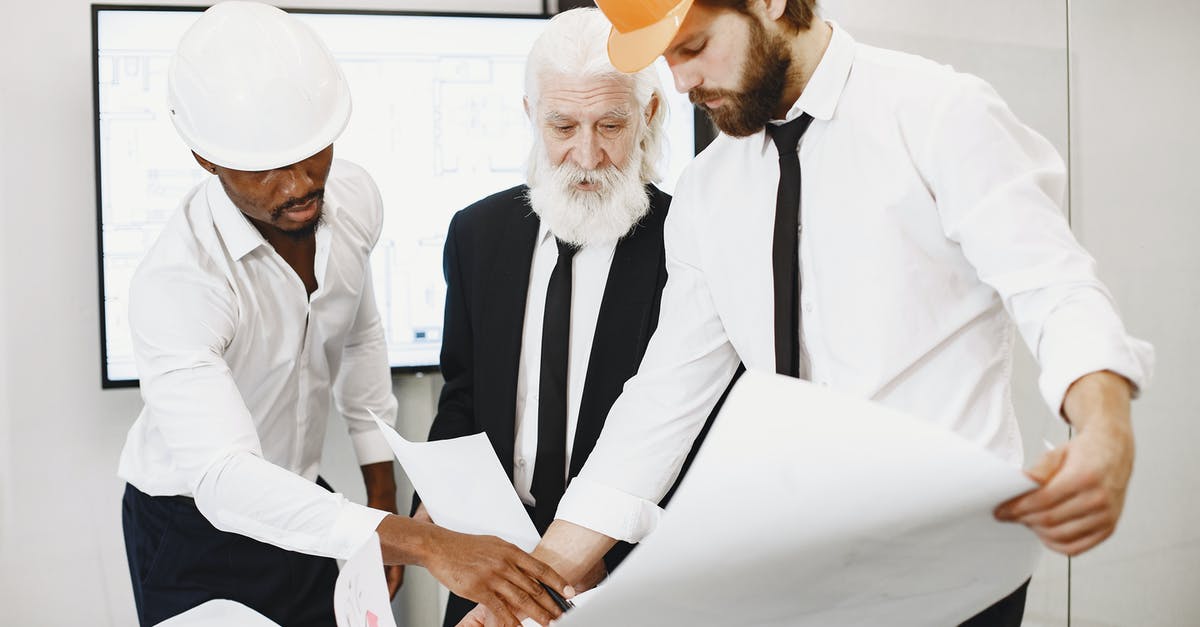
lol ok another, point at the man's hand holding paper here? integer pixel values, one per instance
(1083, 482)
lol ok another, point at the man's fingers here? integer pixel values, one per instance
(1048, 465)
(529, 582)
(1060, 488)
(1078, 546)
(543, 573)
(1076, 529)
(528, 598)
(1078, 506)
(498, 613)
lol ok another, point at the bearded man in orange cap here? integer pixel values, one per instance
(873, 222)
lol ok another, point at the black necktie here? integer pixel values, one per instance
(785, 252)
(550, 469)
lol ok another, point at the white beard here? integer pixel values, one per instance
(580, 217)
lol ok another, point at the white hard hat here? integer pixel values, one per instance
(253, 88)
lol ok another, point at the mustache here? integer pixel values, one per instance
(316, 194)
(570, 174)
(699, 96)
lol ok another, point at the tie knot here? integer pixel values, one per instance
(787, 136)
(565, 250)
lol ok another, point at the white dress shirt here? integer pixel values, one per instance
(930, 224)
(589, 276)
(238, 366)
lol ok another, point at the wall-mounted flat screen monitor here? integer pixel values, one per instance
(438, 122)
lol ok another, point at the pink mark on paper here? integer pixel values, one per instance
(372, 619)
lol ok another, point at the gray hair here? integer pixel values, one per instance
(575, 43)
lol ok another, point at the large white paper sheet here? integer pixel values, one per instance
(360, 595)
(809, 508)
(463, 486)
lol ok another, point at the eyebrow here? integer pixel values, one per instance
(555, 117)
(690, 40)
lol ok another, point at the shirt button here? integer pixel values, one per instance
(521, 462)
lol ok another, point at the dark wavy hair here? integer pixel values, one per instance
(799, 14)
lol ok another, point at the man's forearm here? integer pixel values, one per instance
(573, 551)
(1098, 399)
(405, 541)
(380, 481)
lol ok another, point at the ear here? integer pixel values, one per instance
(525, 104)
(652, 108)
(774, 8)
(205, 163)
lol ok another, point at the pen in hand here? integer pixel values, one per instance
(563, 604)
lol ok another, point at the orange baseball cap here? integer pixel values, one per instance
(641, 29)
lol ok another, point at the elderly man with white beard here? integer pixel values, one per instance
(553, 288)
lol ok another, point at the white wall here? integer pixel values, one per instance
(5, 409)
(1134, 139)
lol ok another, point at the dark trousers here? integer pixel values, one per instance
(178, 560)
(1006, 612)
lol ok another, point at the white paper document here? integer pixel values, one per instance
(463, 486)
(809, 508)
(360, 595)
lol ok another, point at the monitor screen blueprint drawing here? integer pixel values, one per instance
(438, 122)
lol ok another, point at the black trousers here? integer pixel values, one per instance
(1006, 612)
(178, 560)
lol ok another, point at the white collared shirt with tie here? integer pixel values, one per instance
(238, 365)
(931, 232)
(589, 278)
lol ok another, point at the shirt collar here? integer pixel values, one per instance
(239, 235)
(820, 96)
(237, 232)
(543, 233)
(824, 89)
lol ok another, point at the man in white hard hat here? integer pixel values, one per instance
(553, 287)
(926, 233)
(250, 314)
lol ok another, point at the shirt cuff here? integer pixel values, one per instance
(1127, 356)
(370, 447)
(616, 514)
(353, 526)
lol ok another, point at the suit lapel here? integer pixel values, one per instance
(501, 323)
(628, 313)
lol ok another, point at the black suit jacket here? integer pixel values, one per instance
(488, 255)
